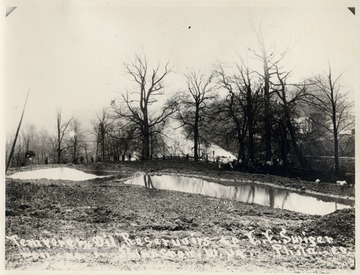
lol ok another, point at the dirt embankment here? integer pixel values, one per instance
(104, 224)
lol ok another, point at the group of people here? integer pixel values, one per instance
(116, 158)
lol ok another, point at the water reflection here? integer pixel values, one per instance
(148, 181)
(250, 193)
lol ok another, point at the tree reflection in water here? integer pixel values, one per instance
(251, 194)
(245, 192)
(272, 198)
(285, 199)
(148, 182)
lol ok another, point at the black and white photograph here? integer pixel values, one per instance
(179, 136)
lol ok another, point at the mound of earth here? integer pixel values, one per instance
(339, 225)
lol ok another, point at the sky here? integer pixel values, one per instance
(72, 56)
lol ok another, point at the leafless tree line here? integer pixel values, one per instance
(260, 115)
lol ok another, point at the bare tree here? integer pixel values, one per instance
(102, 126)
(288, 99)
(61, 130)
(333, 103)
(269, 58)
(137, 111)
(76, 139)
(193, 104)
(242, 106)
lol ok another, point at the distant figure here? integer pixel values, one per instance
(187, 156)
(92, 159)
(123, 157)
(46, 160)
(129, 157)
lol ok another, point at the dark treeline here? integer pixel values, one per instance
(259, 115)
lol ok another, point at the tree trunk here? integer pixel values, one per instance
(146, 142)
(336, 140)
(267, 113)
(151, 146)
(103, 149)
(86, 155)
(336, 153)
(295, 146)
(251, 137)
(58, 138)
(59, 152)
(97, 150)
(283, 145)
(196, 139)
(267, 136)
(251, 146)
(196, 133)
(75, 149)
(147, 146)
(241, 151)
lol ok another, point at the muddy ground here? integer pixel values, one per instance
(105, 224)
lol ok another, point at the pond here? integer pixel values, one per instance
(245, 192)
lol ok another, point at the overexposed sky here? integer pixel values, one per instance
(72, 56)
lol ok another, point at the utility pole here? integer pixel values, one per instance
(17, 133)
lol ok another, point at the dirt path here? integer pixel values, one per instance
(105, 224)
